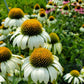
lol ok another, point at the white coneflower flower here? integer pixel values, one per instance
(2, 44)
(82, 28)
(66, 10)
(54, 45)
(42, 16)
(50, 5)
(1, 79)
(15, 18)
(8, 61)
(30, 35)
(51, 20)
(74, 77)
(36, 8)
(42, 66)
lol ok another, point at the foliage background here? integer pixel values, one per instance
(72, 56)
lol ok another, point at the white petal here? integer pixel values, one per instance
(41, 41)
(33, 75)
(59, 47)
(75, 80)
(41, 74)
(53, 73)
(70, 79)
(24, 65)
(14, 35)
(17, 40)
(2, 79)
(45, 38)
(19, 22)
(30, 42)
(28, 70)
(58, 67)
(18, 61)
(81, 79)
(12, 22)
(54, 49)
(56, 61)
(7, 20)
(67, 76)
(11, 65)
(46, 35)
(24, 42)
(3, 68)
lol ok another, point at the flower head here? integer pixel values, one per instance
(54, 38)
(31, 27)
(50, 3)
(75, 73)
(66, 7)
(41, 57)
(51, 18)
(78, 7)
(8, 61)
(80, 1)
(37, 6)
(16, 13)
(75, 76)
(41, 66)
(42, 14)
(5, 54)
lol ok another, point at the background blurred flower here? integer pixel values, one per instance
(54, 45)
(15, 18)
(36, 8)
(73, 77)
(42, 16)
(51, 20)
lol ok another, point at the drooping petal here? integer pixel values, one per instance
(17, 40)
(59, 47)
(67, 76)
(3, 68)
(58, 67)
(70, 79)
(24, 42)
(53, 73)
(27, 71)
(2, 79)
(14, 35)
(6, 23)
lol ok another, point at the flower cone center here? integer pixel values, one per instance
(5, 54)
(16, 13)
(74, 73)
(54, 38)
(41, 57)
(31, 27)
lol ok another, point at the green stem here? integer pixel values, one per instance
(52, 48)
(7, 79)
(38, 82)
(19, 51)
(29, 80)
